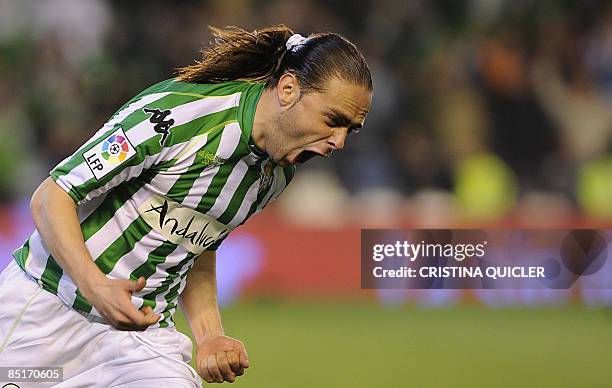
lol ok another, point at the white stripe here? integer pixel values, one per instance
(192, 146)
(227, 192)
(124, 216)
(156, 279)
(37, 256)
(136, 105)
(230, 138)
(67, 290)
(200, 187)
(160, 300)
(137, 256)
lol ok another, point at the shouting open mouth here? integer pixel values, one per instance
(306, 155)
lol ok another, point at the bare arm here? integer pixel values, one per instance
(199, 298)
(218, 357)
(54, 214)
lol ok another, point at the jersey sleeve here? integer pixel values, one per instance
(135, 139)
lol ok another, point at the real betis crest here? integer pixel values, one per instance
(208, 158)
(267, 174)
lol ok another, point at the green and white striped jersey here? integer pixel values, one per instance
(170, 175)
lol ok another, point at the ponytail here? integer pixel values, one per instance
(263, 56)
(239, 55)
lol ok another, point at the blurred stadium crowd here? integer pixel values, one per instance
(482, 108)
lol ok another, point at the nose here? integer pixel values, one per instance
(337, 139)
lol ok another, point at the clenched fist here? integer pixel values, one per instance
(220, 359)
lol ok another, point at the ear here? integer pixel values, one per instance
(288, 90)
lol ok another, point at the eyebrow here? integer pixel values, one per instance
(344, 120)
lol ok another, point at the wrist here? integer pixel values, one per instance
(88, 283)
(204, 331)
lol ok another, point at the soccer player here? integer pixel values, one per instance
(127, 226)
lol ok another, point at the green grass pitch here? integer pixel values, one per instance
(310, 344)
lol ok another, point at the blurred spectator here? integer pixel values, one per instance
(527, 83)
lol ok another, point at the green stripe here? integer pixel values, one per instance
(155, 257)
(208, 123)
(252, 175)
(172, 274)
(21, 254)
(149, 303)
(51, 275)
(171, 299)
(164, 321)
(80, 303)
(181, 187)
(247, 108)
(288, 173)
(220, 179)
(122, 245)
(173, 293)
(220, 89)
(158, 256)
(260, 197)
(112, 203)
(111, 255)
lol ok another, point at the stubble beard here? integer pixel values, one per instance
(278, 146)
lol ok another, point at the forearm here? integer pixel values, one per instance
(199, 299)
(54, 214)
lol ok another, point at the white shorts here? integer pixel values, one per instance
(38, 330)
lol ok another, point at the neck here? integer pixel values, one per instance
(266, 117)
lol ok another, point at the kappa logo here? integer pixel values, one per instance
(158, 117)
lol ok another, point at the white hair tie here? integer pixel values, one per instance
(294, 41)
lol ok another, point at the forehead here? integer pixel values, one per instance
(345, 97)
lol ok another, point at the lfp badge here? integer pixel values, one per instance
(115, 149)
(109, 154)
